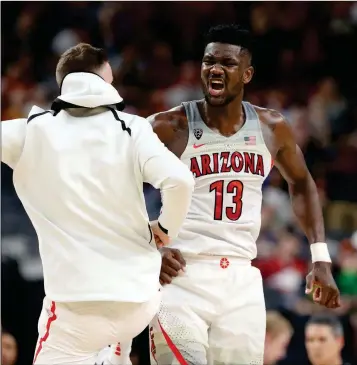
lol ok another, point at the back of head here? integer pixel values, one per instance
(278, 335)
(81, 58)
(276, 324)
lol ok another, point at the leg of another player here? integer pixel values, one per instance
(62, 335)
(178, 335)
(238, 337)
(74, 333)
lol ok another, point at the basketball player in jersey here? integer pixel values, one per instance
(213, 309)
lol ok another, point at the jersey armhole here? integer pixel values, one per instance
(259, 127)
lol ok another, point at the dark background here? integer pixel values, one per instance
(305, 61)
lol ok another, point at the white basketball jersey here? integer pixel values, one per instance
(225, 214)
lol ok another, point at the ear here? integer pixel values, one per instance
(248, 74)
(341, 342)
(267, 337)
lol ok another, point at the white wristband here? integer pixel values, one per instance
(319, 252)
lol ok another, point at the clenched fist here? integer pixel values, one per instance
(321, 284)
(172, 264)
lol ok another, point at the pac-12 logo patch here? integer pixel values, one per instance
(198, 133)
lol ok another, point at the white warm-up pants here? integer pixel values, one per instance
(74, 333)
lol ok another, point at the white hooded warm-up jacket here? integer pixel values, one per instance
(79, 171)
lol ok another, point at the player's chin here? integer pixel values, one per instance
(216, 100)
(317, 358)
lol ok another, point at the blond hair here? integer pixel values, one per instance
(277, 324)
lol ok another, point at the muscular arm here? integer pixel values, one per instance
(291, 163)
(302, 188)
(306, 205)
(172, 129)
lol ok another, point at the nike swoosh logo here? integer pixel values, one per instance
(198, 145)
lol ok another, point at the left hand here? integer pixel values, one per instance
(172, 264)
(161, 238)
(321, 284)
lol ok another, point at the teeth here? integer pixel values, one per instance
(217, 82)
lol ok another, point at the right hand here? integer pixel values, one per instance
(321, 284)
(172, 264)
(161, 238)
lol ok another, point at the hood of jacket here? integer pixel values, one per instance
(88, 90)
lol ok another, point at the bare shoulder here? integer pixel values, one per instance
(277, 124)
(168, 123)
(270, 117)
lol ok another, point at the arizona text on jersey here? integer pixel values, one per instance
(225, 214)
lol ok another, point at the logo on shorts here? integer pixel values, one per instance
(224, 263)
(198, 133)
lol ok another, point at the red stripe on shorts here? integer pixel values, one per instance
(48, 325)
(173, 348)
(117, 349)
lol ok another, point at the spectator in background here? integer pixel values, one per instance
(299, 71)
(347, 276)
(284, 270)
(187, 87)
(277, 338)
(8, 348)
(324, 340)
(278, 200)
(325, 106)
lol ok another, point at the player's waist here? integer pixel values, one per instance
(132, 278)
(201, 235)
(203, 221)
(221, 260)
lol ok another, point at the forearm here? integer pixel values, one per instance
(176, 194)
(176, 184)
(306, 206)
(303, 193)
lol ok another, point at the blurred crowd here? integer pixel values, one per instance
(305, 59)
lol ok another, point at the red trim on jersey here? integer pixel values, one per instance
(272, 163)
(172, 347)
(48, 325)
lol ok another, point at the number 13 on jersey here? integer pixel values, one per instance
(223, 190)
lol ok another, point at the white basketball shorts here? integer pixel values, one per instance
(213, 314)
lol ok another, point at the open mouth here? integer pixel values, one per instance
(215, 87)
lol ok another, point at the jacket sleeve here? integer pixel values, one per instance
(13, 134)
(163, 170)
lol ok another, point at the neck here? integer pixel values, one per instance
(228, 119)
(85, 112)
